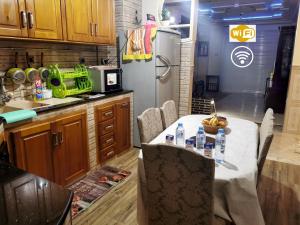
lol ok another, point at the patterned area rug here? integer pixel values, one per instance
(94, 186)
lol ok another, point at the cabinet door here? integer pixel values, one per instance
(70, 157)
(103, 21)
(13, 18)
(33, 149)
(79, 20)
(44, 19)
(123, 125)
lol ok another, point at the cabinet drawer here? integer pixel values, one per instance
(107, 153)
(106, 113)
(107, 140)
(106, 127)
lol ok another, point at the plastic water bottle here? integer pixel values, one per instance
(200, 139)
(180, 138)
(220, 146)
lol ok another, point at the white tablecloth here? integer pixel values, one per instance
(235, 195)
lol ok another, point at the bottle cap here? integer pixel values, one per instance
(180, 124)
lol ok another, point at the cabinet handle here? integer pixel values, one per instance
(92, 29)
(110, 153)
(60, 137)
(96, 29)
(109, 127)
(125, 104)
(108, 113)
(109, 140)
(24, 19)
(55, 141)
(30, 19)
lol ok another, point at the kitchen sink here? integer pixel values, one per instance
(25, 104)
(6, 109)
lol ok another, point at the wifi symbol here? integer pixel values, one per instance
(242, 56)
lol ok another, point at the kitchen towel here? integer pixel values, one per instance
(139, 43)
(19, 115)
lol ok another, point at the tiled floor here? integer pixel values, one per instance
(243, 105)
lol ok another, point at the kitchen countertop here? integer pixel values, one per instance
(28, 199)
(57, 103)
(78, 101)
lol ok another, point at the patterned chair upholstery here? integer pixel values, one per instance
(150, 124)
(179, 186)
(265, 138)
(168, 113)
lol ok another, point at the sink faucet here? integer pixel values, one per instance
(4, 97)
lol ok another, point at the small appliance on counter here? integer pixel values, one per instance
(106, 79)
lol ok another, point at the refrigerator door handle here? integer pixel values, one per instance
(167, 63)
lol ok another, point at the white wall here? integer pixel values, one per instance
(253, 78)
(152, 7)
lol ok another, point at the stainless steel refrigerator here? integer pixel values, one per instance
(154, 81)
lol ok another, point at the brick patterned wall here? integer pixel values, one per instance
(186, 77)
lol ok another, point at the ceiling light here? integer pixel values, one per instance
(276, 15)
(276, 5)
(206, 10)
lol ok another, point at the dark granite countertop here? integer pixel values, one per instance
(31, 200)
(80, 101)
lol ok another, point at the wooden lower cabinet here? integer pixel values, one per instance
(55, 150)
(123, 125)
(33, 149)
(113, 128)
(72, 148)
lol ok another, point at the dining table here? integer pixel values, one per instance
(235, 193)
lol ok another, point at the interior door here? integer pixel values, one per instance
(167, 87)
(44, 19)
(79, 20)
(103, 21)
(13, 20)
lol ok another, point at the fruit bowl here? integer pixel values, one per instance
(213, 124)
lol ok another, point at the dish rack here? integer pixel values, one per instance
(67, 82)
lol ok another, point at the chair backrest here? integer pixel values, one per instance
(179, 186)
(168, 113)
(265, 138)
(150, 124)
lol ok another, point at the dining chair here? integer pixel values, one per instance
(149, 124)
(179, 186)
(168, 113)
(265, 139)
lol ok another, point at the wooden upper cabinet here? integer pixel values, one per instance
(13, 18)
(33, 150)
(79, 20)
(103, 21)
(44, 19)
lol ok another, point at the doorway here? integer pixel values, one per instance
(243, 90)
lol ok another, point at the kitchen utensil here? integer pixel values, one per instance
(69, 81)
(16, 74)
(44, 71)
(31, 73)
